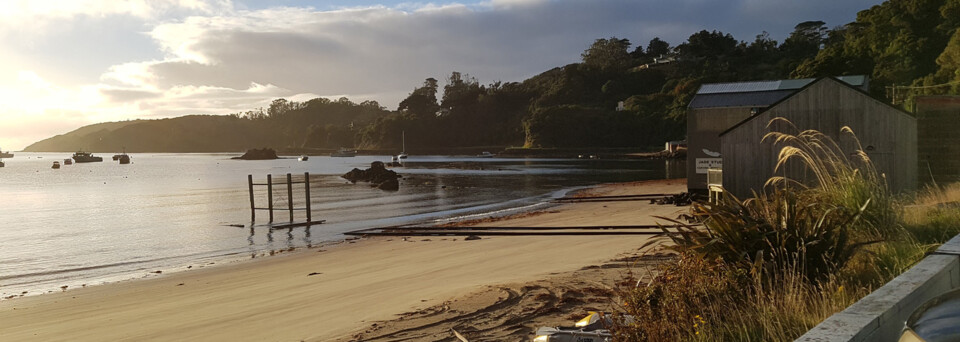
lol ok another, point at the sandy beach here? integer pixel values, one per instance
(382, 288)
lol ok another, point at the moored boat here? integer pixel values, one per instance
(121, 156)
(486, 154)
(303, 157)
(403, 145)
(6, 154)
(56, 165)
(86, 157)
(68, 161)
(343, 152)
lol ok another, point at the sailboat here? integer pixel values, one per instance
(403, 152)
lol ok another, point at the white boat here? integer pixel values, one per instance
(486, 154)
(403, 152)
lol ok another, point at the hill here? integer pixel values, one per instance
(317, 123)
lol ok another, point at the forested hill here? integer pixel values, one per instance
(300, 124)
(913, 44)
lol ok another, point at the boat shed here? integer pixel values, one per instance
(718, 106)
(888, 135)
(938, 144)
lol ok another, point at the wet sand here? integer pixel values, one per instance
(337, 292)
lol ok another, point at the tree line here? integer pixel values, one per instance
(624, 96)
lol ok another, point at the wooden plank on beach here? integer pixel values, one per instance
(500, 233)
(612, 198)
(639, 226)
(607, 200)
(617, 196)
(647, 229)
(298, 224)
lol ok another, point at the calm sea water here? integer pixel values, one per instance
(99, 222)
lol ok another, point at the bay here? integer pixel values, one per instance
(90, 223)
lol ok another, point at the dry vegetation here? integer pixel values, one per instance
(771, 267)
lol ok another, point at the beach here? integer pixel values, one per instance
(339, 291)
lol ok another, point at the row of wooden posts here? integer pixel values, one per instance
(269, 185)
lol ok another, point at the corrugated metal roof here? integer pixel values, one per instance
(854, 80)
(738, 87)
(749, 87)
(749, 99)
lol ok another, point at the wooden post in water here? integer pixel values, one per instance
(290, 195)
(270, 195)
(253, 210)
(306, 182)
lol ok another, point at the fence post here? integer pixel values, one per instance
(306, 182)
(253, 210)
(290, 195)
(270, 195)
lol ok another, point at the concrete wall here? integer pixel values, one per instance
(880, 316)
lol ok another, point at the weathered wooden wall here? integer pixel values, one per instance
(938, 138)
(703, 132)
(888, 135)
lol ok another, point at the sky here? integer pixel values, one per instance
(69, 63)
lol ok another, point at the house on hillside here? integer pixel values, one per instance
(718, 106)
(938, 144)
(888, 135)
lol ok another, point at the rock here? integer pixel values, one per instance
(259, 154)
(377, 175)
(389, 185)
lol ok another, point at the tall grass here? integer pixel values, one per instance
(770, 267)
(847, 179)
(774, 231)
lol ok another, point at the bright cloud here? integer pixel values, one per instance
(71, 63)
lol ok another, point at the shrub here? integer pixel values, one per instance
(773, 232)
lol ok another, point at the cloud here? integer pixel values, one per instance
(380, 49)
(42, 10)
(215, 57)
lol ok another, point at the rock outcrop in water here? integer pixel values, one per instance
(377, 175)
(259, 154)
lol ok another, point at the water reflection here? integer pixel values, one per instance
(169, 209)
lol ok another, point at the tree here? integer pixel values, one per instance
(461, 91)
(608, 54)
(278, 107)
(657, 47)
(422, 102)
(805, 40)
(708, 45)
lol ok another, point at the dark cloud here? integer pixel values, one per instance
(382, 50)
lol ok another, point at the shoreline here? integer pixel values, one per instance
(150, 269)
(327, 292)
